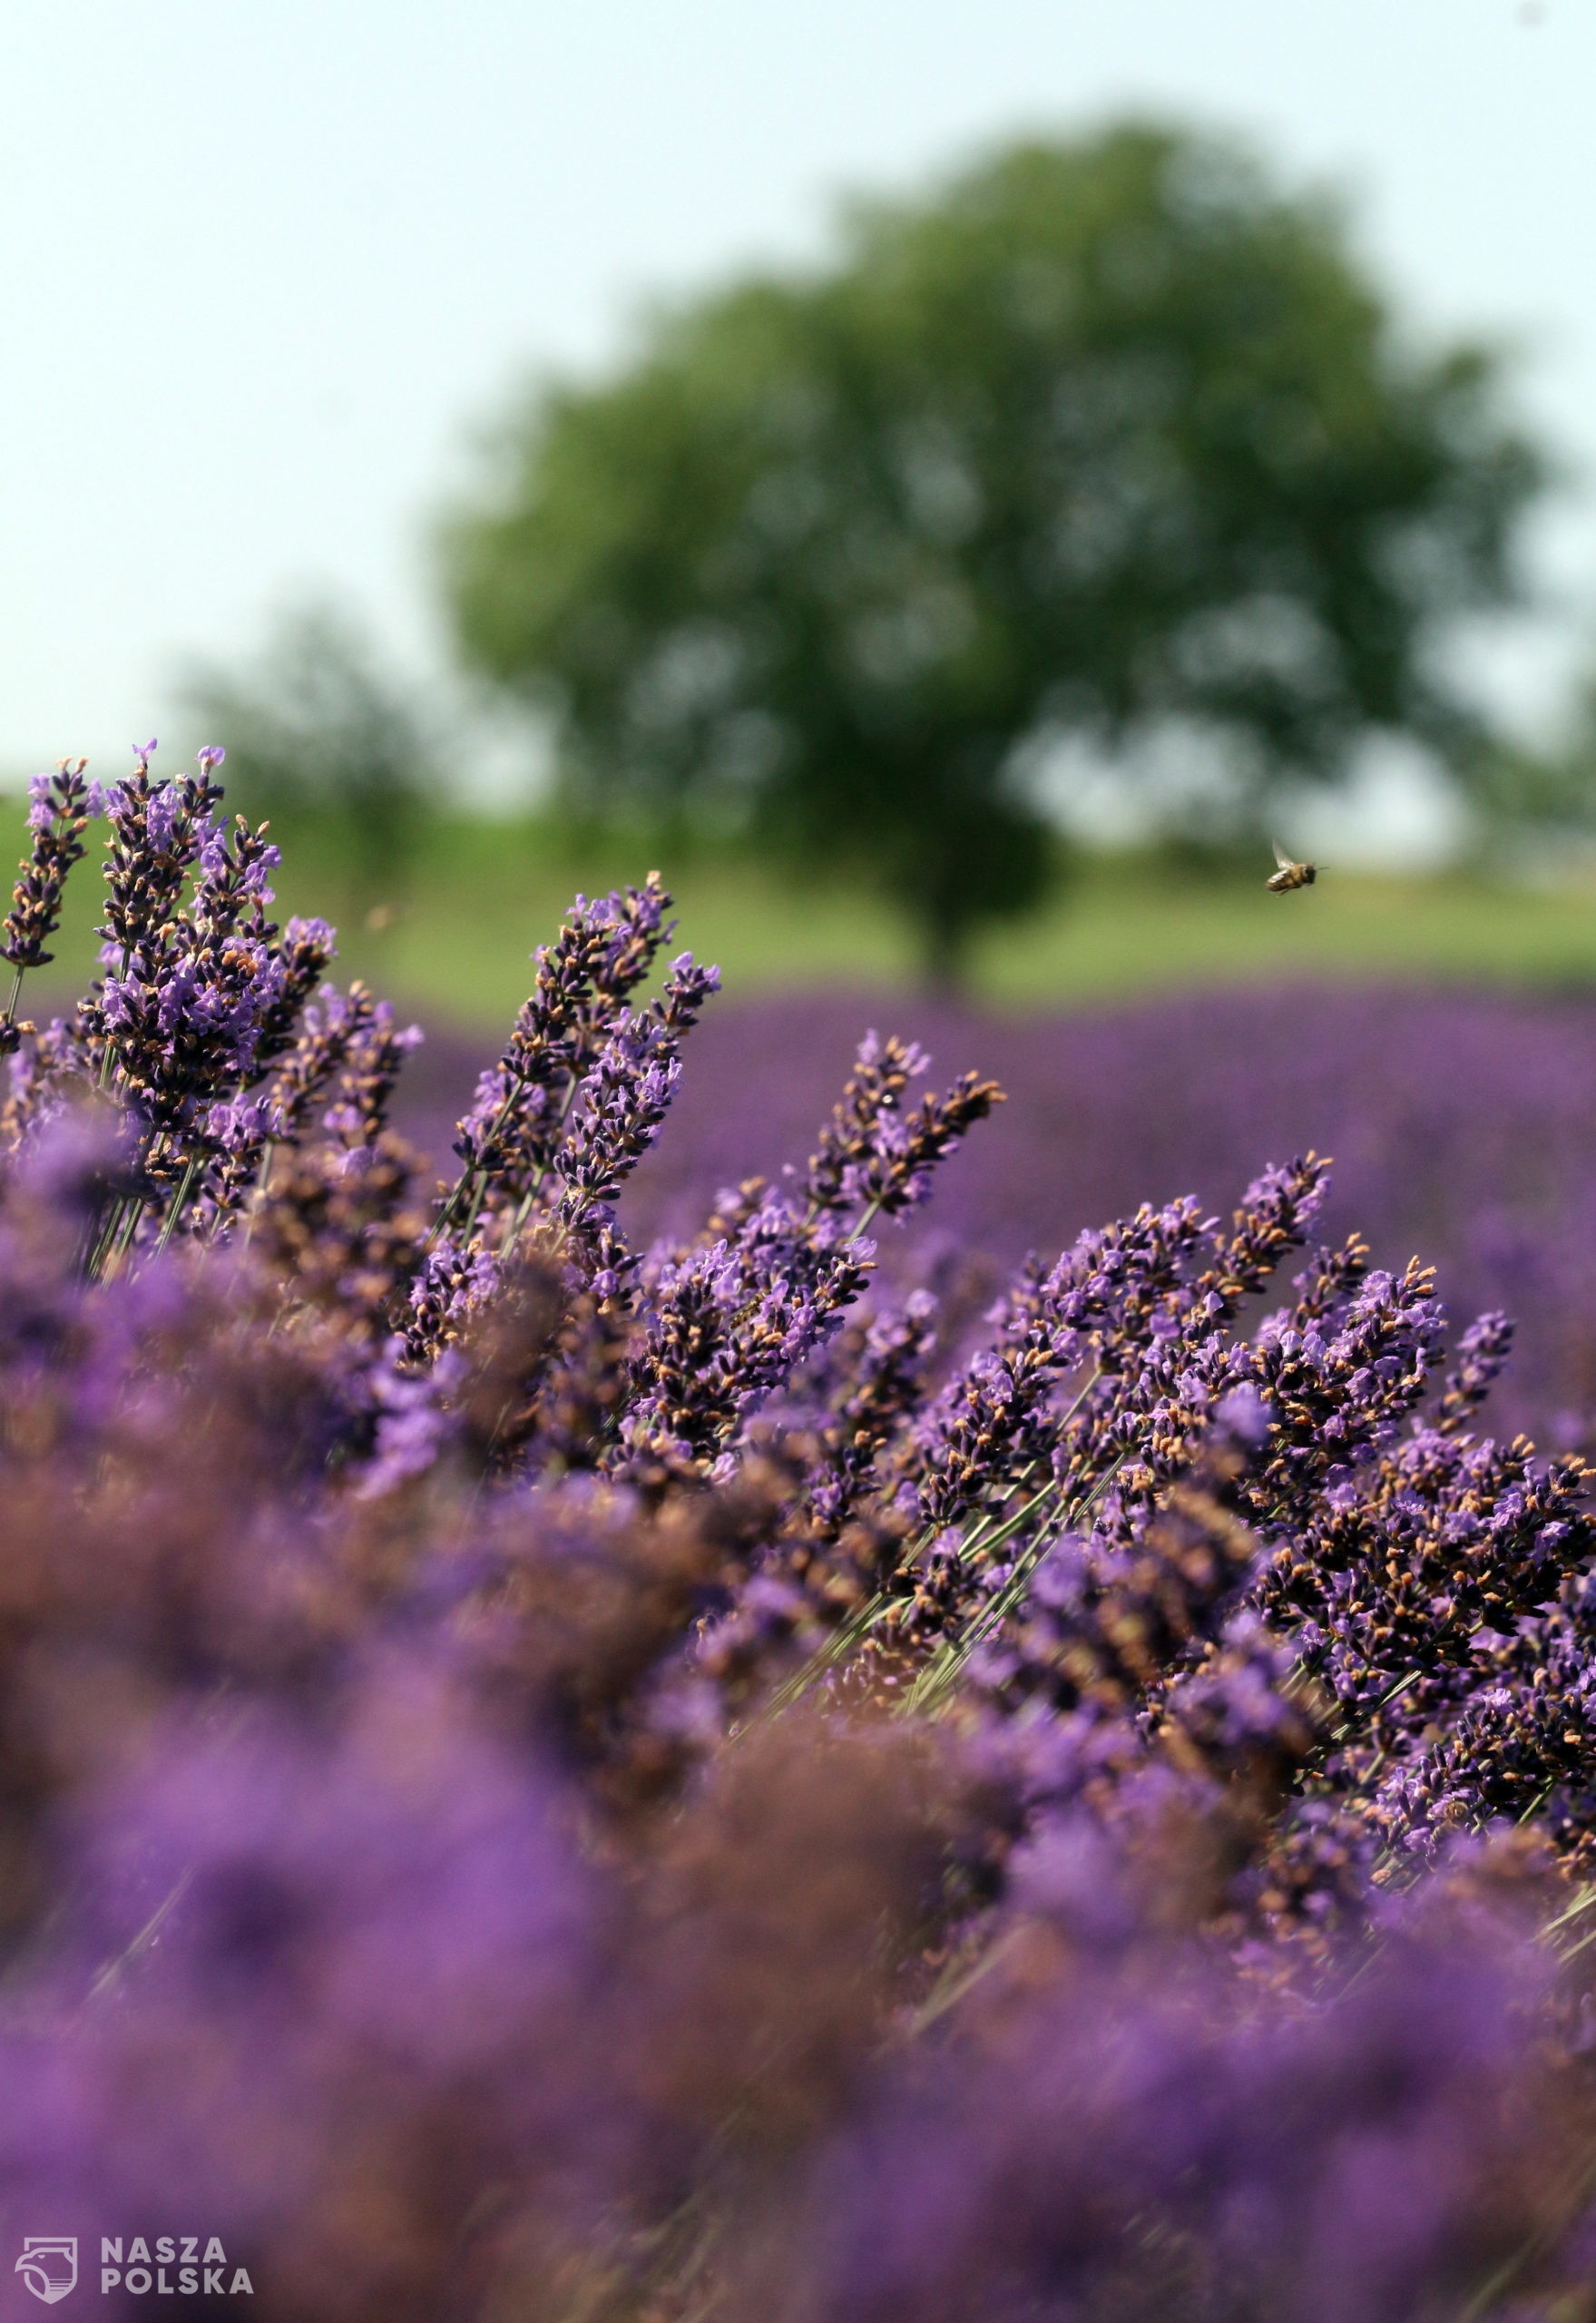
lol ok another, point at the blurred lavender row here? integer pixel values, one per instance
(1463, 1125)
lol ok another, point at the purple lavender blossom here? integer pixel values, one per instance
(60, 805)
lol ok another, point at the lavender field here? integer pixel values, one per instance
(1460, 1125)
(575, 1750)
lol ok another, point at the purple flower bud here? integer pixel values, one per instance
(1246, 1416)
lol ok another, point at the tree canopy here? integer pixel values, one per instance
(317, 726)
(1104, 439)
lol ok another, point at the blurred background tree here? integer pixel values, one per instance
(320, 732)
(1103, 441)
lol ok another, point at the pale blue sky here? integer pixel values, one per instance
(264, 266)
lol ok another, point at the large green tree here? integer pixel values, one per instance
(1105, 439)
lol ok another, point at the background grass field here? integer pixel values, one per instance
(483, 893)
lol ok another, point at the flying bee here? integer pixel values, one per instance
(1290, 875)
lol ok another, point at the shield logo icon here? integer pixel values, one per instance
(49, 2264)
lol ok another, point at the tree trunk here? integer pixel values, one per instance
(945, 950)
